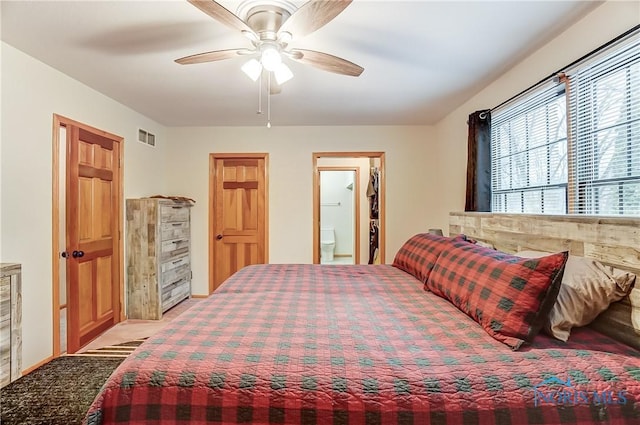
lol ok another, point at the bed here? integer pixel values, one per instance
(311, 344)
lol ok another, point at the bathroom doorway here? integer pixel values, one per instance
(339, 219)
(370, 209)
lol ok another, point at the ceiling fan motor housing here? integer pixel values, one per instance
(265, 17)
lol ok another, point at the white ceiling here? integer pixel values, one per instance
(422, 59)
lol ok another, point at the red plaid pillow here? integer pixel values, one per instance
(418, 255)
(509, 296)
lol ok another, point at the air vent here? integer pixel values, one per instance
(147, 138)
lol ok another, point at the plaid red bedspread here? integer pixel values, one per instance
(308, 344)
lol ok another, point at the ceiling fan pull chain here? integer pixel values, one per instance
(259, 112)
(269, 101)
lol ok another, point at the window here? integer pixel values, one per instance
(538, 166)
(605, 109)
(529, 154)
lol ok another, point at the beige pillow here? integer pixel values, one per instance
(587, 289)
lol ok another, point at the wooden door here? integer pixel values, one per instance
(92, 213)
(238, 217)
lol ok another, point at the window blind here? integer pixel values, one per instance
(604, 99)
(529, 153)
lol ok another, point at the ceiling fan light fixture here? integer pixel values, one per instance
(282, 73)
(251, 36)
(270, 58)
(285, 37)
(252, 69)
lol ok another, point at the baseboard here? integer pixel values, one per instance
(199, 296)
(37, 365)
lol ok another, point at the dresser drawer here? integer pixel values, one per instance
(5, 370)
(176, 293)
(5, 352)
(5, 299)
(173, 249)
(174, 288)
(174, 230)
(172, 275)
(171, 213)
(174, 264)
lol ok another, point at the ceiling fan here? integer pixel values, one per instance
(270, 26)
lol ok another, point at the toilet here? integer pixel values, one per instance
(327, 243)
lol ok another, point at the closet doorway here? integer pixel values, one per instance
(369, 206)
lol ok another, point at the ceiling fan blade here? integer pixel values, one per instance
(326, 62)
(221, 14)
(216, 55)
(312, 15)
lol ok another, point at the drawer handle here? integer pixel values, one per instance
(177, 261)
(178, 241)
(176, 208)
(177, 224)
(173, 283)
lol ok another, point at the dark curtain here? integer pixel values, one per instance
(479, 162)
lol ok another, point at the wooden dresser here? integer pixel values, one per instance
(158, 256)
(10, 323)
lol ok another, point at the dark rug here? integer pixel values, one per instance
(59, 392)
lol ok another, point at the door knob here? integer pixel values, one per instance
(219, 237)
(64, 254)
(77, 254)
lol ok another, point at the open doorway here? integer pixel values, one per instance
(339, 218)
(368, 208)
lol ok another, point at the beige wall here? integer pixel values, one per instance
(410, 169)
(603, 24)
(31, 93)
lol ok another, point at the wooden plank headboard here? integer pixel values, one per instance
(610, 240)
